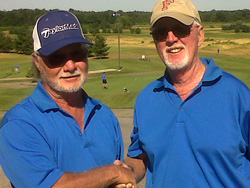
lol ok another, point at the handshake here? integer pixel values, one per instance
(126, 174)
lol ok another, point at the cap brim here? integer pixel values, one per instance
(52, 47)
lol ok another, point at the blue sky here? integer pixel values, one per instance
(125, 5)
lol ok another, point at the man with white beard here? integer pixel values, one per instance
(59, 136)
(191, 126)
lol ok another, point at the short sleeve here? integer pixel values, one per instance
(26, 157)
(134, 148)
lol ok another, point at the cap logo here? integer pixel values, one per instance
(46, 32)
(165, 4)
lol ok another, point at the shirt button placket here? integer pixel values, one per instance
(181, 112)
(82, 137)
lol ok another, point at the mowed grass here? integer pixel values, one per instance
(234, 57)
(10, 96)
(8, 61)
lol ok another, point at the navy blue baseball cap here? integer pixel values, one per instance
(55, 30)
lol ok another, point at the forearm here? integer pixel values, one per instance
(100, 177)
(138, 165)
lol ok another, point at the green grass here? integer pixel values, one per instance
(114, 96)
(135, 74)
(8, 63)
(226, 35)
(10, 96)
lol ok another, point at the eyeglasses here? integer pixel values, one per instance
(179, 30)
(59, 58)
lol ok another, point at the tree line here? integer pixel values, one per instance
(28, 17)
(19, 23)
(23, 43)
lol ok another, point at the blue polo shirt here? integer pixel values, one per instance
(39, 140)
(202, 141)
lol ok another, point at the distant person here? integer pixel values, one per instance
(17, 69)
(59, 136)
(104, 81)
(192, 125)
(218, 51)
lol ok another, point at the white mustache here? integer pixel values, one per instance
(69, 74)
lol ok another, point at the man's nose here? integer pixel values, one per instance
(171, 38)
(69, 66)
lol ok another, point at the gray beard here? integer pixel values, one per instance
(57, 86)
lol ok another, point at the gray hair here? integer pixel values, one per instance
(35, 70)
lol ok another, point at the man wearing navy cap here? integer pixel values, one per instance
(192, 125)
(59, 136)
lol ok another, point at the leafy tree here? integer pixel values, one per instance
(221, 16)
(115, 29)
(104, 30)
(135, 30)
(92, 22)
(27, 17)
(89, 49)
(100, 48)
(245, 29)
(237, 27)
(6, 43)
(84, 29)
(94, 28)
(132, 30)
(237, 30)
(106, 27)
(126, 22)
(23, 42)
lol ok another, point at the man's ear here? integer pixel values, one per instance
(35, 59)
(200, 35)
